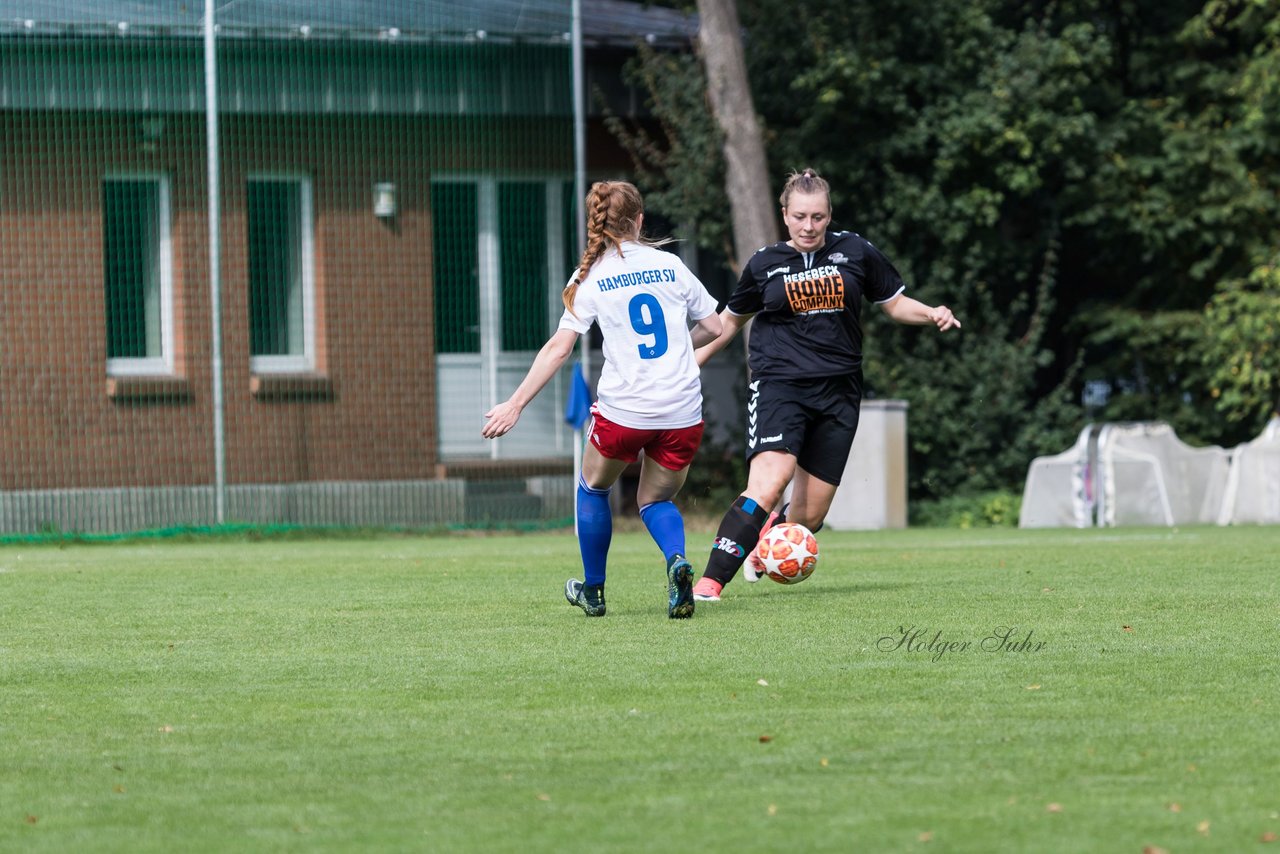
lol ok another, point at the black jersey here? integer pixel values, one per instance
(807, 306)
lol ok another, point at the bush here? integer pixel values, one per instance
(997, 509)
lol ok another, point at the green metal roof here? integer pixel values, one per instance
(373, 57)
(604, 22)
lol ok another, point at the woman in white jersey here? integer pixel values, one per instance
(649, 395)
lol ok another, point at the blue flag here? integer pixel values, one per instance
(578, 407)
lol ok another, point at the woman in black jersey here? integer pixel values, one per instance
(805, 356)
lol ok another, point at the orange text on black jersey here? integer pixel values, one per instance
(819, 289)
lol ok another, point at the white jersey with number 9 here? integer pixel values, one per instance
(644, 300)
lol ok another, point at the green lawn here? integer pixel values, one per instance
(438, 694)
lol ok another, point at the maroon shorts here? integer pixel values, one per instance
(671, 449)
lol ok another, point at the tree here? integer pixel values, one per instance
(1186, 212)
(678, 160)
(1242, 347)
(960, 146)
(1078, 179)
(729, 93)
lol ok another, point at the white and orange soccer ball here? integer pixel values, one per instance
(787, 553)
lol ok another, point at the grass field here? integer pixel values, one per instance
(438, 694)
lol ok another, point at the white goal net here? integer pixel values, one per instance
(1252, 493)
(1151, 477)
(1143, 474)
(1059, 488)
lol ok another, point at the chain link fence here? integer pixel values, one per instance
(275, 274)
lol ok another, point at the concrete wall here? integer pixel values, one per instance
(873, 491)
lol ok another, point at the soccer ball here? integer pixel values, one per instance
(787, 553)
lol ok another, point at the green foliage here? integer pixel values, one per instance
(1075, 179)
(1152, 362)
(1189, 195)
(998, 509)
(976, 423)
(1240, 347)
(678, 165)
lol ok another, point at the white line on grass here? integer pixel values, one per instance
(1038, 541)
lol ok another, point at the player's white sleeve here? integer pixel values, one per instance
(583, 315)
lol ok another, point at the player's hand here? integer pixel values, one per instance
(500, 420)
(942, 317)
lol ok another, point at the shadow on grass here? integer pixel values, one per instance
(846, 589)
(622, 609)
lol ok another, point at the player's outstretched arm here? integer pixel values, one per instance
(706, 330)
(904, 309)
(550, 359)
(707, 346)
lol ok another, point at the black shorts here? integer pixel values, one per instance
(813, 420)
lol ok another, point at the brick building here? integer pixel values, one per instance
(396, 217)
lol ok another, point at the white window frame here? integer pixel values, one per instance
(163, 364)
(306, 362)
(490, 250)
(491, 360)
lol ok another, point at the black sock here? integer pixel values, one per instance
(738, 534)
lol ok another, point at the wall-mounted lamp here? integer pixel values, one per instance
(384, 200)
(149, 131)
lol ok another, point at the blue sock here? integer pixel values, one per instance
(666, 526)
(595, 530)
